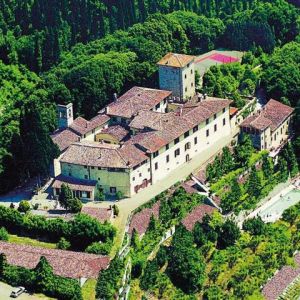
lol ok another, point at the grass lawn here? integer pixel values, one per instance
(28, 241)
(88, 289)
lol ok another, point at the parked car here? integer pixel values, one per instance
(17, 292)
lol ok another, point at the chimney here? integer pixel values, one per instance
(181, 109)
(115, 97)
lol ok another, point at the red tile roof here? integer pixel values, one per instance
(101, 214)
(140, 221)
(189, 187)
(197, 215)
(82, 126)
(116, 131)
(281, 280)
(64, 263)
(74, 183)
(103, 155)
(176, 60)
(64, 138)
(135, 100)
(273, 114)
(176, 126)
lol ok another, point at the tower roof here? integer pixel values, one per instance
(176, 60)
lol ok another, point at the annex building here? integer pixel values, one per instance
(140, 137)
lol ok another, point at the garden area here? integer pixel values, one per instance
(243, 177)
(218, 261)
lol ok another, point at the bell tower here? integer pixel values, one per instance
(64, 115)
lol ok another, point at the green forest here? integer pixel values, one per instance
(84, 51)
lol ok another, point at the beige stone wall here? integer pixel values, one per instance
(203, 142)
(181, 81)
(106, 177)
(107, 138)
(91, 135)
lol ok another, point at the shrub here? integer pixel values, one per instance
(99, 248)
(63, 244)
(3, 234)
(75, 205)
(24, 206)
(116, 210)
(119, 195)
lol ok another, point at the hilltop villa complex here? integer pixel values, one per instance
(143, 135)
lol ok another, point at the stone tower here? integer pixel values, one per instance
(177, 74)
(64, 115)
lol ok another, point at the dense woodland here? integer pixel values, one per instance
(84, 51)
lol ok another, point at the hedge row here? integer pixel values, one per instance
(81, 232)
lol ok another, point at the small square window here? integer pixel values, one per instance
(140, 174)
(167, 147)
(215, 127)
(207, 121)
(176, 141)
(195, 128)
(195, 140)
(186, 134)
(70, 174)
(177, 152)
(215, 116)
(207, 132)
(93, 168)
(133, 178)
(167, 158)
(224, 109)
(85, 167)
(85, 176)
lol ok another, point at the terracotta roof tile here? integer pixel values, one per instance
(64, 263)
(116, 131)
(74, 183)
(272, 114)
(103, 155)
(135, 100)
(197, 215)
(99, 213)
(82, 126)
(140, 221)
(64, 138)
(176, 60)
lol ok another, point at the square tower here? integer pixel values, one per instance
(177, 74)
(64, 115)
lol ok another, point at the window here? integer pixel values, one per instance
(186, 134)
(224, 109)
(186, 89)
(98, 178)
(85, 176)
(113, 190)
(157, 106)
(188, 65)
(192, 84)
(140, 174)
(185, 76)
(93, 168)
(85, 167)
(195, 140)
(215, 127)
(215, 116)
(177, 152)
(156, 166)
(84, 135)
(187, 146)
(207, 121)
(133, 178)
(167, 158)
(207, 132)
(167, 147)
(70, 174)
(99, 168)
(176, 141)
(224, 122)
(192, 71)
(155, 154)
(195, 128)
